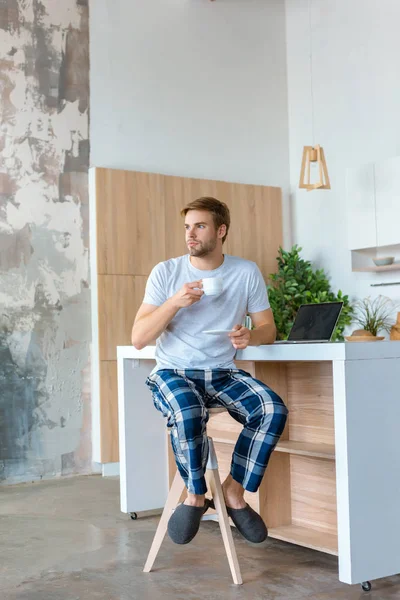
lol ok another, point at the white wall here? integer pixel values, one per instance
(356, 83)
(191, 88)
(199, 88)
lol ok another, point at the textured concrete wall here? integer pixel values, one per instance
(44, 296)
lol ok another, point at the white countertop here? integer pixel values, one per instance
(296, 352)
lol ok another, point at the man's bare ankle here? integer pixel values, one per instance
(233, 493)
(234, 501)
(232, 486)
(195, 500)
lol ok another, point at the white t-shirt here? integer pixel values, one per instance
(183, 345)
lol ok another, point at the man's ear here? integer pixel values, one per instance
(222, 231)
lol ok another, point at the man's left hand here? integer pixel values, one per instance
(240, 337)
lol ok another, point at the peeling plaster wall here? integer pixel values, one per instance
(44, 296)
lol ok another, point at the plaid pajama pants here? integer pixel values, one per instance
(184, 396)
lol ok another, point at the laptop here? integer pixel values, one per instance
(314, 323)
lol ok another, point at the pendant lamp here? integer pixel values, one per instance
(315, 178)
(314, 155)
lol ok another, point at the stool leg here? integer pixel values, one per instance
(172, 500)
(214, 484)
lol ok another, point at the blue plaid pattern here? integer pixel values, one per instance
(184, 396)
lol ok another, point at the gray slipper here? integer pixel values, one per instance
(184, 522)
(248, 522)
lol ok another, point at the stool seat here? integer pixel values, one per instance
(214, 486)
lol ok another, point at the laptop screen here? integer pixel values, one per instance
(315, 321)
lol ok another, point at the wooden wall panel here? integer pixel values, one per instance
(256, 218)
(139, 222)
(109, 411)
(119, 299)
(148, 195)
(138, 225)
(130, 222)
(255, 211)
(116, 293)
(177, 193)
(140, 287)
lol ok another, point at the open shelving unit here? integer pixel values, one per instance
(297, 497)
(393, 267)
(309, 538)
(361, 259)
(307, 449)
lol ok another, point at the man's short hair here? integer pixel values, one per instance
(219, 210)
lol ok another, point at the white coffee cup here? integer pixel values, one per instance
(212, 286)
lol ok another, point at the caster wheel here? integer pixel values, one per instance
(366, 586)
(133, 516)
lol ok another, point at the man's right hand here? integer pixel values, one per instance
(152, 320)
(188, 295)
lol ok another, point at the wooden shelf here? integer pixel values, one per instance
(393, 267)
(326, 451)
(297, 496)
(309, 538)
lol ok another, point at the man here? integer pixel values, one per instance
(195, 371)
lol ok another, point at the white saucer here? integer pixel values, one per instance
(217, 331)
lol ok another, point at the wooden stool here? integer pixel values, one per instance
(214, 486)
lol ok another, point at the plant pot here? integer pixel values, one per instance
(395, 330)
(362, 335)
(364, 338)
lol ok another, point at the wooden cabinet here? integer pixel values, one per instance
(135, 223)
(373, 204)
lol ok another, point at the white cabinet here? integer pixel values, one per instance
(373, 204)
(387, 188)
(360, 195)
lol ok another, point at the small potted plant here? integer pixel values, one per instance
(373, 316)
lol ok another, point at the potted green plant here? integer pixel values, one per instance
(296, 283)
(375, 315)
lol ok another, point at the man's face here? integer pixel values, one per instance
(201, 235)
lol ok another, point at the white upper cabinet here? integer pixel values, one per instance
(360, 195)
(387, 187)
(373, 204)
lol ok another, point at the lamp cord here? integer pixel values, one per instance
(311, 75)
